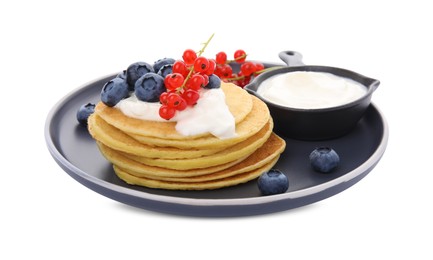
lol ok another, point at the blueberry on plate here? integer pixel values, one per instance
(114, 91)
(162, 62)
(84, 112)
(135, 71)
(272, 182)
(214, 82)
(324, 159)
(149, 87)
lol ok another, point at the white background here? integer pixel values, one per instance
(50, 48)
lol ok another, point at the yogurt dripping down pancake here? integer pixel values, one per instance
(237, 99)
(250, 125)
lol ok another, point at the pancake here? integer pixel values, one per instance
(215, 184)
(140, 169)
(265, 154)
(239, 150)
(116, 139)
(238, 101)
(252, 123)
(155, 155)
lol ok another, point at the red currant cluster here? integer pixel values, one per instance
(247, 68)
(187, 77)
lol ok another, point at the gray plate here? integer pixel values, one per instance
(76, 152)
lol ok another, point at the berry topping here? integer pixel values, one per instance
(196, 82)
(174, 100)
(324, 159)
(206, 79)
(173, 81)
(201, 64)
(191, 96)
(259, 67)
(149, 87)
(165, 70)
(189, 56)
(214, 82)
(135, 71)
(122, 75)
(176, 84)
(84, 112)
(180, 67)
(248, 68)
(272, 182)
(187, 78)
(226, 71)
(240, 56)
(167, 112)
(211, 68)
(221, 58)
(162, 62)
(114, 91)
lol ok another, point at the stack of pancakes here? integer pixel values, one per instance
(155, 155)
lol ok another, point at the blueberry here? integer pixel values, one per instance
(84, 112)
(122, 75)
(161, 62)
(324, 159)
(135, 71)
(273, 182)
(165, 70)
(149, 87)
(214, 82)
(114, 91)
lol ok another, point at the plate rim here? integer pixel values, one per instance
(66, 165)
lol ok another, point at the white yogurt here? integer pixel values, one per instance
(310, 90)
(210, 115)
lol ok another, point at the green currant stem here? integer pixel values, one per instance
(236, 78)
(200, 52)
(238, 58)
(191, 69)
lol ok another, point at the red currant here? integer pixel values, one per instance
(201, 64)
(243, 82)
(189, 56)
(182, 105)
(180, 67)
(259, 67)
(218, 71)
(191, 96)
(167, 112)
(173, 81)
(221, 58)
(163, 98)
(226, 71)
(196, 82)
(173, 100)
(206, 79)
(248, 68)
(240, 56)
(211, 69)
